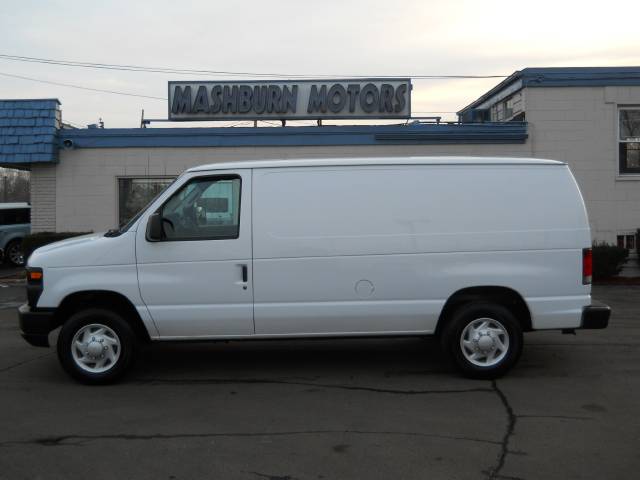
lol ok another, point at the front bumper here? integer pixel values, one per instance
(595, 316)
(36, 324)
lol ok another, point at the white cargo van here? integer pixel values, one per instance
(474, 250)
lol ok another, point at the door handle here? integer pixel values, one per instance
(245, 275)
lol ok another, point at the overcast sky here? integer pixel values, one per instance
(329, 37)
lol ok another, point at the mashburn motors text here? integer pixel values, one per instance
(210, 100)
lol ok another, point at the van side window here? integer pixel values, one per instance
(204, 209)
(15, 216)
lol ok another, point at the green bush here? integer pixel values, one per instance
(37, 240)
(608, 260)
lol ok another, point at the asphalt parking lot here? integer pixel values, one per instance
(350, 409)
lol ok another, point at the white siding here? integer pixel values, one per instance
(579, 126)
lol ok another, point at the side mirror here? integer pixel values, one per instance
(154, 228)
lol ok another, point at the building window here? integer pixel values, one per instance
(135, 193)
(631, 242)
(629, 140)
(626, 241)
(508, 110)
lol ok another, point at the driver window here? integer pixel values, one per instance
(204, 209)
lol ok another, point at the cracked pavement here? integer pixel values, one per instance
(320, 409)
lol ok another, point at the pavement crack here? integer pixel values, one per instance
(494, 472)
(273, 477)
(560, 417)
(237, 381)
(79, 439)
(24, 362)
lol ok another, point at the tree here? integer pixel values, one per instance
(14, 185)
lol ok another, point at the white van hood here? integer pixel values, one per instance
(86, 250)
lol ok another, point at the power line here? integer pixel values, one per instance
(130, 68)
(188, 71)
(115, 92)
(128, 94)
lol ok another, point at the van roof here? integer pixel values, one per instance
(328, 162)
(7, 206)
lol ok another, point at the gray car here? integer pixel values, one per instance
(15, 223)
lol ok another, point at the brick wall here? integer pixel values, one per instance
(43, 197)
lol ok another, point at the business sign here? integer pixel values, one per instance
(290, 100)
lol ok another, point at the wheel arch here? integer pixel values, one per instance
(504, 296)
(12, 237)
(106, 299)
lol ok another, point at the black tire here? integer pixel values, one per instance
(13, 254)
(126, 350)
(467, 314)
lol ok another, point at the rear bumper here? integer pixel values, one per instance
(595, 317)
(36, 325)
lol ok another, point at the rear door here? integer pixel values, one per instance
(197, 281)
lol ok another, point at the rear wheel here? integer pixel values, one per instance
(96, 346)
(13, 253)
(483, 339)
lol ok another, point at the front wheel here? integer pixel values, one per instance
(96, 346)
(13, 253)
(483, 339)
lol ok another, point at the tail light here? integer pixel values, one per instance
(587, 266)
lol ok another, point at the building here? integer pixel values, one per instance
(93, 179)
(589, 118)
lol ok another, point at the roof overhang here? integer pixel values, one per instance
(557, 77)
(410, 134)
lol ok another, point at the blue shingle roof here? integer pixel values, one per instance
(29, 131)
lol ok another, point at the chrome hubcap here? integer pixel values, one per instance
(95, 348)
(484, 342)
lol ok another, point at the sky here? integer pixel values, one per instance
(330, 37)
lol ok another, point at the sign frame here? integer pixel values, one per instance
(289, 116)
